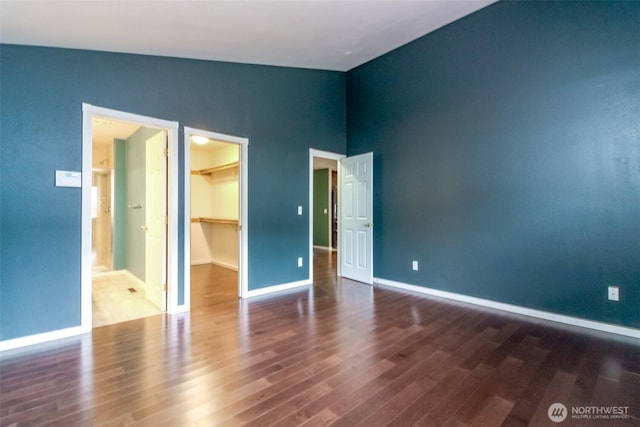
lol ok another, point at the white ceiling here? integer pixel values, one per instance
(321, 34)
(104, 131)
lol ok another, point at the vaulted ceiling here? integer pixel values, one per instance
(320, 34)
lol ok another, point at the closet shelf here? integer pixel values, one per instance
(215, 220)
(215, 169)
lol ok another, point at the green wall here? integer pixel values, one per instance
(320, 205)
(120, 205)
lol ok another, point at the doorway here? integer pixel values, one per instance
(127, 220)
(215, 220)
(354, 213)
(323, 203)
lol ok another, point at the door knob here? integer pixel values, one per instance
(144, 228)
(368, 225)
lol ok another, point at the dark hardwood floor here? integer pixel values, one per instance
(338, 353)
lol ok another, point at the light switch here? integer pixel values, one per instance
(325, 211)
(299, 210)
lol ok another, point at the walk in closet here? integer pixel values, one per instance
(215, 204)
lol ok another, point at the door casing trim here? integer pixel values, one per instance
(243, 224)
(323, 155)
(88, 112)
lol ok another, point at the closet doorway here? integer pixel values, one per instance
(215, 220)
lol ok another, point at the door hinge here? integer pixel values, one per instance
(164, 287)
(165, 152)
(166, 220)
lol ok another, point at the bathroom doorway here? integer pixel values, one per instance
(125, 271)
(128, 267)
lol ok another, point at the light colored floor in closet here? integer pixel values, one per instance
(114, 303)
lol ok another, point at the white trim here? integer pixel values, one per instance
(322, 248)
(225, 265)
(214, 262)
(173, 179)
(243, 224)
(559, 318)
(181, 309)
(324, 155)
(171, 127)
(86, 313)
(12, 344)
(108, 273)
(186, 237)
(277, 288)
(222, 264)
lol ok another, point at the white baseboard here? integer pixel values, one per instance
(324, 248)
(568, 320)
(40, 338)
(134, 278)
(225, 265)
(104, 273)
(277, 288)
(184, 308)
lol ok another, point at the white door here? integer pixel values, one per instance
(155, 218)
(356, 218)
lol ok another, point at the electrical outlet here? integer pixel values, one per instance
(614, 293)
(299, 261)
(415, 265)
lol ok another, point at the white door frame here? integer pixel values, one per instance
(243, 223)
(88, 112)
(323, 155)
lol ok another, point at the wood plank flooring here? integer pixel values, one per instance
(338, 353)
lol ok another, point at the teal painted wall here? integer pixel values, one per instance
(508, 142)
(283, 112)
(120, 205)
(320, 204)
(507, 156)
